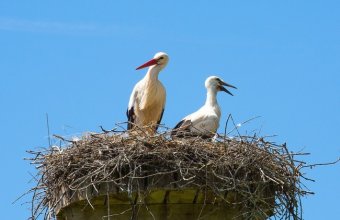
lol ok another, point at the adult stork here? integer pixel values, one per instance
(205, 121)
(147, 100)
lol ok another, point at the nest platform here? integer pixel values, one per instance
(136, 176)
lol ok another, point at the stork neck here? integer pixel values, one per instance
(152, 73)
(211, 97)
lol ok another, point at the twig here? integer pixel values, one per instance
(48, 131)
(322, 164)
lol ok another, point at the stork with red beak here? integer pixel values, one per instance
(205, 121)
(147, 100)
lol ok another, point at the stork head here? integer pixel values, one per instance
(217, 84)
(160, 60)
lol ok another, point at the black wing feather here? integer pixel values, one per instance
(177, 129)
(179, 124)
(182, 130)
(130, 113)
(159, 121)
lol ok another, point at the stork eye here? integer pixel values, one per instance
(161, 58)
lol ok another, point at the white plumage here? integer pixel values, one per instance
(147, 100)
(205, 121)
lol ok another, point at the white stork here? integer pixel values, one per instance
(147, 100)
(205, 121)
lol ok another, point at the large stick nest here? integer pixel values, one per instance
(244, 165)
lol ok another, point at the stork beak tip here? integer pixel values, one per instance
(149, 63)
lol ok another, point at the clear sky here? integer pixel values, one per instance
(76, 60)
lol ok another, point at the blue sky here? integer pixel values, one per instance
(76, 60)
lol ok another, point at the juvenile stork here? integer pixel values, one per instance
(147, 100)
(205, 121)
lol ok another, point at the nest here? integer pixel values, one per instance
(247, 165)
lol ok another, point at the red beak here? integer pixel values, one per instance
(149, 63)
